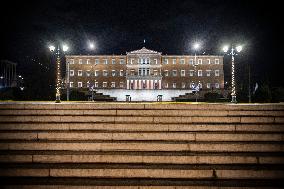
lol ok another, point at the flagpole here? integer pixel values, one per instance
(249, 85)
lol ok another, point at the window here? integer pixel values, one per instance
(104, 72)
(199, 61)
(96, 73)
(155, 72)
(208, 73)
(156, 61)
(199, 73)
(217, 85)
(105, 61)
(121, 73)
(182, 73)
(208, 85)
(174, 73)
(71, 84)
(217, 73)
(112, 85)
(166, 73)
(191, 72)
(148, 61)
(96, 84)
(88, 73)
(80, 73)
(166, 61)
(174, 85)
(121, 61)
(104, 84)
(208, 61)
(182, 61)
(71, 72)
(183, 85)
(88, 84)
(191, 61)
(121, 85)
(131, 61)
(132, 72)
(216, 61)
(88, 61)
(174, 61)
(97, 61)
(113, 61)
(166, 85)
(71, 61)
(80, 84)
(80, 61)
(113, 73)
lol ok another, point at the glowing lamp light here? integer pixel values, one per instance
(51, 48)
(226, 48)
(65, 48)
(196, 46)
(239, 48)
(91, 46)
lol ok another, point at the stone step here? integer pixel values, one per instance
(261, 127)
(143, 173)
(141, 119)
(147, 112)
(157, 159)
(168, 136)
(144, 146)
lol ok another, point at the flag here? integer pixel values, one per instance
(255, 88)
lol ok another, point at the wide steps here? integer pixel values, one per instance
(141, 145)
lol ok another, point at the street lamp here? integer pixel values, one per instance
(58, 76)
(233, 52)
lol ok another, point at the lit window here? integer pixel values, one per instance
(156, 61)
(191, 61)
(216, 61)
(191, 72)
(80, 84)
(131, 61)
(88, 61)
(155, 72)
(182, 61)
(132, 72)
(97, 61)
(199, 61)
(166, 73)
(121, 73)
(183, 85)
(166, 61)
(217, 85)
(96, 73)
(174, 73)
(105, 61)
(174, 85)
(112, 84)
(80, 61)
(80, 72)
(121, 85)
(88, 73)
(217, 73)
(174, 61)
(208, 72)
(71, 84)
(208, 85)
(166, 85)
(113, 73)
(71, 61)
(104, 84)
(71, 72)
(182, 73)
(105, 73)
(96, 84)
(199, 72)
(208, 61)
(88, 84)
(113, 61)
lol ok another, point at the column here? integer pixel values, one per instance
(147, 84)
(152, 86)
(160, 84)
(135, 84)
(127, 85)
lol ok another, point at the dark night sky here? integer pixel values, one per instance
(170, 27)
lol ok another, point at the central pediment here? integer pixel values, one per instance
(143, 51)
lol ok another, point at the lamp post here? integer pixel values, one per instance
(196, 46)
(233, 52)
(58, 75)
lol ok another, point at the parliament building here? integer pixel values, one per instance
(144, 72)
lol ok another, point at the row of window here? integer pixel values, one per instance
(144, 72)
(166, 85)
(147, 61)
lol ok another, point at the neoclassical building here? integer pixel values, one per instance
(145, 71)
